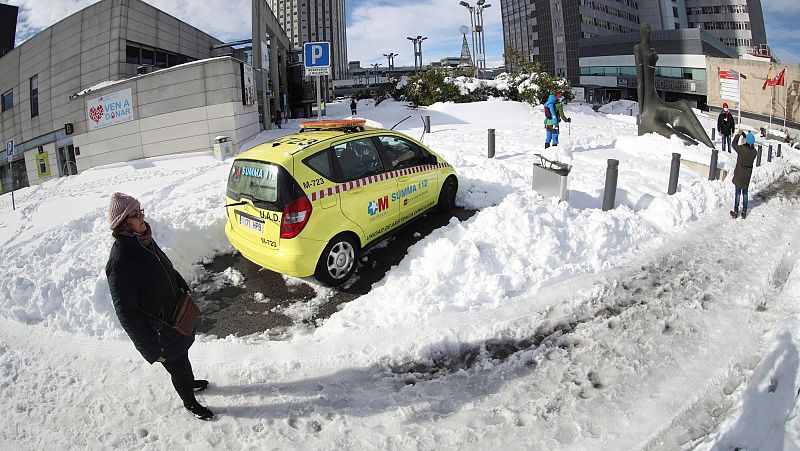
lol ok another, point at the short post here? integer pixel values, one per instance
(712, 167)
(779, 151)
(769, 154)
(610, 192)
(491, 143)
(674, 170)
(758, 156)
(427, 121)
(713, 134)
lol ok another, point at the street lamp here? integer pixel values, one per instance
(476, 18)
(390, 57)
(375, 66)
(417, 50)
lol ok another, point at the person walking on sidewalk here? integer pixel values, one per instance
(353, 106)
(725, 126)
(278, 118)
(145, 285)
(550, 121)
(746, 155)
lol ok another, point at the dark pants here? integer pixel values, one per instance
(743, 192)
(182, 377)
(726, 139)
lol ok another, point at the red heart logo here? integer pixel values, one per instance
(96, 113)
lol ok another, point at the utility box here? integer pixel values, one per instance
(550, 178)
(223, 148)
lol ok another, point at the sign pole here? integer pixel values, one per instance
(739, 100)
(319, 98)
(9, 155)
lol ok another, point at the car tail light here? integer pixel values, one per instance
(295, 217)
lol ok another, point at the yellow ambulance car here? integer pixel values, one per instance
(308, 203)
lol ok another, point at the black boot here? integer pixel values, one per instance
(200, 385)
(546, 145)
(744, 214)
(199, 411)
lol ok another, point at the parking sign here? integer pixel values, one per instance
(317, 58)
(10, 148)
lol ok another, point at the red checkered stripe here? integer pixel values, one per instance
(342, 187)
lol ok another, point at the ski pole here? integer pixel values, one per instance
(569, 128)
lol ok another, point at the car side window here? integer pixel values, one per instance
(357, 159)
(321, 164)
(402, 152)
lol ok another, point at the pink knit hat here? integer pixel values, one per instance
(120, 207)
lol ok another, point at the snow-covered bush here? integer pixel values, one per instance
(527, 84)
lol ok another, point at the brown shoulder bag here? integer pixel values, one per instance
(186, 315)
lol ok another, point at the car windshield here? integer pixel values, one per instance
(255, 180)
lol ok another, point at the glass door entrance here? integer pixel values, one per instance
(66, 160)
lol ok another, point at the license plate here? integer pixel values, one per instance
(253, 224)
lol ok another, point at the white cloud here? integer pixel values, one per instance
(781, 5)
(379, 28)
(376, 28)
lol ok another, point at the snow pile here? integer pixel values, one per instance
(583, 328)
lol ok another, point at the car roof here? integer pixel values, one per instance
(282, 150)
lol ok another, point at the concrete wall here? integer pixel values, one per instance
(176, 110)
(754, 100)
(78, 52)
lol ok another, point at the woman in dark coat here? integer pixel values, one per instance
(143, 282)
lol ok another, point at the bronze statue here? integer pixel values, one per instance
(656, 115)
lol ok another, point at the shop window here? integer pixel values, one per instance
(8, 99)
(172, 59)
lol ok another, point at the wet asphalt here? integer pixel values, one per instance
(237, 309)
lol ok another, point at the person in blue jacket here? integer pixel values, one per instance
(551, 121)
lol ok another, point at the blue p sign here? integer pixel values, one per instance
(317, 54)
(10, 148)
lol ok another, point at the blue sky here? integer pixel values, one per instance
(378, 27)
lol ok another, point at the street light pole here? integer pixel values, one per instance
(478, 44)
(390, 58)
(375, 66)
(417, 50)
(472, 22)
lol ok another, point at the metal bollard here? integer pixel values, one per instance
(491, 143)
(427, 121)
(758, 156)
(712, 167)
(610, 192)
(674, 170)
(779, 151)
(769, 154)
(713, 134)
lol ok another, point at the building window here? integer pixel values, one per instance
(34, 83)
(8, 99)
(132, 54)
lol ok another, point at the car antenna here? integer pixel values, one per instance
(395, 125)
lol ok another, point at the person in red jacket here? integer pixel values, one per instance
(725, 126)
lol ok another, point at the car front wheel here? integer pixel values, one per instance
(338, 261)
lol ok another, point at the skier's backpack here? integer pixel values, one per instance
(547, 113)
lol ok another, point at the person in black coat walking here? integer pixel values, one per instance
(143, 282)
(746, 155)
(725, 126)
(353, 106)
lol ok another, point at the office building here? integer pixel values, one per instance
(118, 81)
(314, 21)
(549, 31)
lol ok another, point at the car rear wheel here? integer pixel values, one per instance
(447, 197)
(338, 261)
